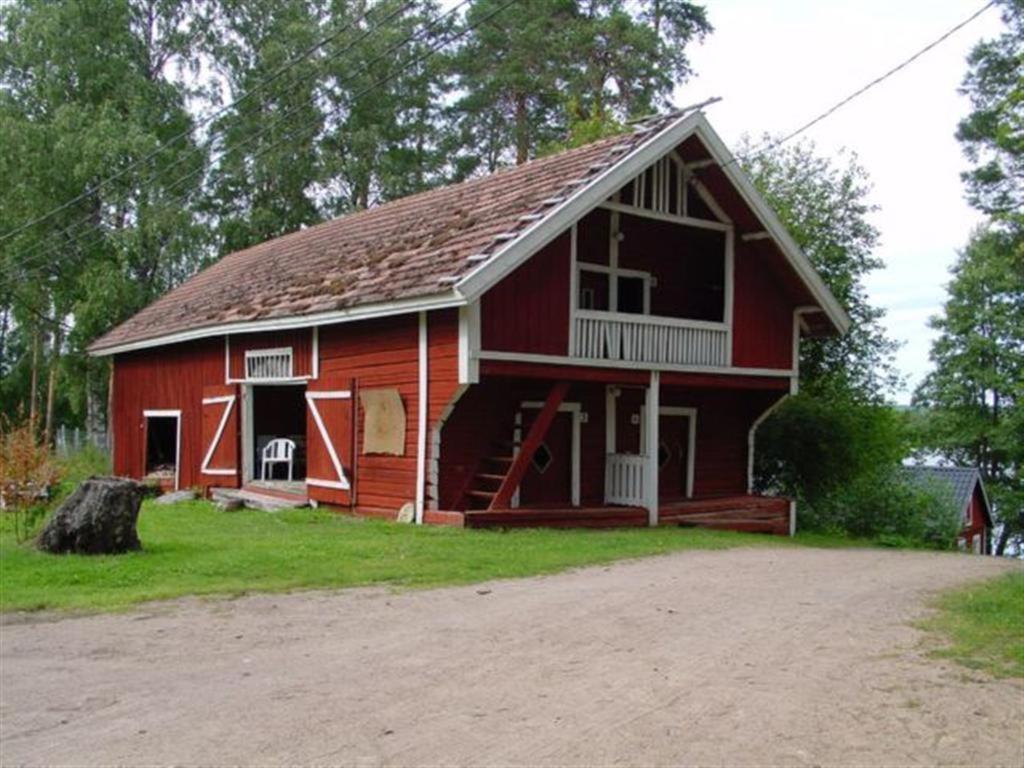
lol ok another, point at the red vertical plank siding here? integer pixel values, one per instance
(300, 340)
(166, 378)
(974, 524)
(376, 354)
(528, 311)
(385, 353)
(724, 419)
(762, 334)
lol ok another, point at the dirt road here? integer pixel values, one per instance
(750, 656)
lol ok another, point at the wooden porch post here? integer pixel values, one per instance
(651, 448)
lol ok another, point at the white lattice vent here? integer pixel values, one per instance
(267, 364)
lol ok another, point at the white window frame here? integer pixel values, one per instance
(165, 414)
(614, 273)
(251, 354)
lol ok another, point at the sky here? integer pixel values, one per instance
(778, 63)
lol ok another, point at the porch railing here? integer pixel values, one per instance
(624, 479)
(649, 339)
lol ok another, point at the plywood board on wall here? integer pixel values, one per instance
(383, 421)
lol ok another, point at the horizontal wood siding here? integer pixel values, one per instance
(528, 311)
(385, 353)
(762, 316)
(166, 378)
(300, 340)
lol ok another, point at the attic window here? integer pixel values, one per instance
(268, 364)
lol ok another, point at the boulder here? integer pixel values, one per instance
(98, 518)
(176, 496)
(230, 505)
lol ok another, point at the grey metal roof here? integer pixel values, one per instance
(960, 481)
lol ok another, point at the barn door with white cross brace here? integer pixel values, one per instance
(220, 436)
(330, 439)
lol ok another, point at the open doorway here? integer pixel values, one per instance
(163, 447)
(277, 438)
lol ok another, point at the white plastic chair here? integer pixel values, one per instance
(278, 451)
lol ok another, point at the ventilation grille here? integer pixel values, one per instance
(268, 364)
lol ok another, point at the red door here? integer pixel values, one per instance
(548, 479)
(220, 436)
(673, 455)
(330, 441)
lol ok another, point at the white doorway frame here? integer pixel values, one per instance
(248, 421)
(691, 437)
(165, 414)
(577, 419)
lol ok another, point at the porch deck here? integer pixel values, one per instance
(753, 514)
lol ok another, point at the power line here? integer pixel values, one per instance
(87, 193)
(421, 57)
(87, 221)
(861, 91)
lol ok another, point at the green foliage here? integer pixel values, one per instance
(538, 69)
(992, 135)
(192, 549)
(973, 397)
(983, 625)
(840, 458)
(824, 207)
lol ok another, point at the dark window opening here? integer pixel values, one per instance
(632, 291)
(542, 458)
(279, 412)
(161, 446)
(593, 290)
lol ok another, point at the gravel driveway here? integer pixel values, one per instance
(748, 656)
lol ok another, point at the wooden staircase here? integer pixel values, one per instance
(500, 472)
(491, 472)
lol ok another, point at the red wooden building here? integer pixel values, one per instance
(589, 338)
(964, 490)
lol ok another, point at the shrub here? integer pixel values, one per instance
(841, 459)
(27, 474)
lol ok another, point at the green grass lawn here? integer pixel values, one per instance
(192, 548)
(984, 624)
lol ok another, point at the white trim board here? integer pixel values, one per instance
(523, 357)
(368, 312)
(165, 414)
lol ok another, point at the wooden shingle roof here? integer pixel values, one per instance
(414, 247)
(430, 250)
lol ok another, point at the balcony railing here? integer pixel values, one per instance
(624, 479)
(649, 339)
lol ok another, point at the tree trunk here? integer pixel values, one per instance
(1004, 537)
(51, 385)
(522, 130)
(33, 390)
